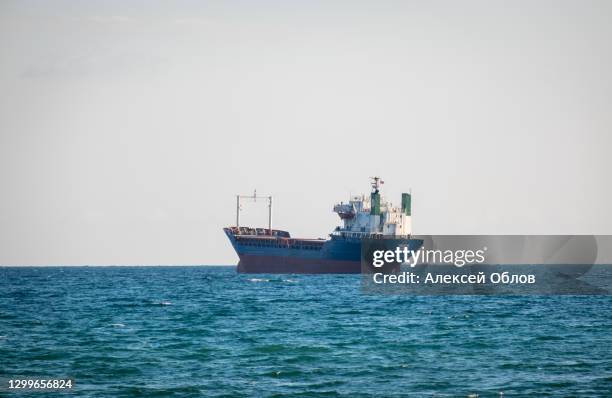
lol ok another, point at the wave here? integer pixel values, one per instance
(272, 280)
(258, 280)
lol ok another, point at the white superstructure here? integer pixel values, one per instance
(373, 215)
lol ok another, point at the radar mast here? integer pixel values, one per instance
(376, 183)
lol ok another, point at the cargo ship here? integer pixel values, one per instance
(268, 250)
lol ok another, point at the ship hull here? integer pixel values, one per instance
(272, 255)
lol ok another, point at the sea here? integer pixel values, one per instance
(206, 331)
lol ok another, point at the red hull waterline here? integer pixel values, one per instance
(251, 264)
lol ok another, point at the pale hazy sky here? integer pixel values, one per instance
(126, 128)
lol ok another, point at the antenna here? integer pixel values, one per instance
(376, 183)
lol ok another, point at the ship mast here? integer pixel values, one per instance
(376, 183)
(254, 199)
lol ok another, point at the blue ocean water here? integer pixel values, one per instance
(207, 331)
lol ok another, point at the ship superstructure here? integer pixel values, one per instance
(267, 250)
(364, 216)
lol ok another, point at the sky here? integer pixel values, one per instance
(128, 127)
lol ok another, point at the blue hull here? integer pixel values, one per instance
(304, 256)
